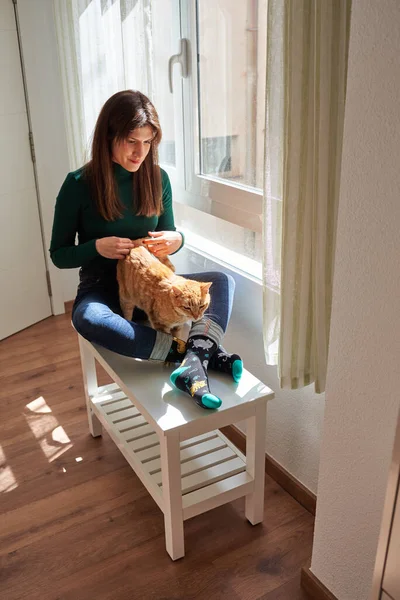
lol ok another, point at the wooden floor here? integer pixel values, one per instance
(77, 524)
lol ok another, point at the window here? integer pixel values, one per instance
(231, 99)
(213, 121)
(223, 113)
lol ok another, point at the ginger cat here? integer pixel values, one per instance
(163, 259)
(169, 300)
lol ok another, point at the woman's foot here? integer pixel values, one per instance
(224, 362)
(220, 361)
(177, 351)
(191, 376)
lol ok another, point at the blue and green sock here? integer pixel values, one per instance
(220, 361)
(191, 376)
(224, 362)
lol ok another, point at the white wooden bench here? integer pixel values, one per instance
(175, 448)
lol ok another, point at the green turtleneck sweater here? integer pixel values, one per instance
(76, 213)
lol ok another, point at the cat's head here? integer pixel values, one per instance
(191, 298)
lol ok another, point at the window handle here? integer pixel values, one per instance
(181, 58)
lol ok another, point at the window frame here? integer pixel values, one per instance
(232, 202)
(176, 172)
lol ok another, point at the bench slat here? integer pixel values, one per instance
(109, 387)
(107, 393)
(200, 462)
(124, 415)
(137, 433)
(116, 407)
(221, 492)
(130, 423)
(212, 474)
(109, 399)
(143, 443)
(153, 453)
(198, 438)
(198, 449)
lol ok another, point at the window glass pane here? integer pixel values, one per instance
(238, 239)
(164, 39)
(231, 71)
(151, 31)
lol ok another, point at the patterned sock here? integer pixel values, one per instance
(220, 361)
(224, 362)
(191, 376)
(177, 351)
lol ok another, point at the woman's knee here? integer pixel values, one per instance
(223, 280)
(87, 318)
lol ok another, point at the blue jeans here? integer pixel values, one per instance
(97, 314)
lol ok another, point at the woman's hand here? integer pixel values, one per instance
(114, 247)
(162, 243)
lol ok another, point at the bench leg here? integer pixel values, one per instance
(172, 495)
(90, 385)
(255, 461)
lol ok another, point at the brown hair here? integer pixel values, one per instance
(122, 113)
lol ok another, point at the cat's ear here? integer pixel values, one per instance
(205, 287)
(176, 291)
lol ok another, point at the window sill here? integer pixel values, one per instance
(247, 267)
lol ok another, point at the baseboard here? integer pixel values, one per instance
(313, 586)
(68, 306)
(289, 483)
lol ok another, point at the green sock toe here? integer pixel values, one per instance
(211, 401)
(237, 370)
(175, 374)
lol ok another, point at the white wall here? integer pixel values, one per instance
(294, 417)
(362, 392)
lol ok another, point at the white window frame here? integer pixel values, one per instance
(177, 173)
(232, 202)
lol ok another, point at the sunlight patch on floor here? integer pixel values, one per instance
(51, 436)
(7, 478)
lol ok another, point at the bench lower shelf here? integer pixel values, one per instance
(213, 470)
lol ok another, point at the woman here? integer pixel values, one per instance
(119, 195)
